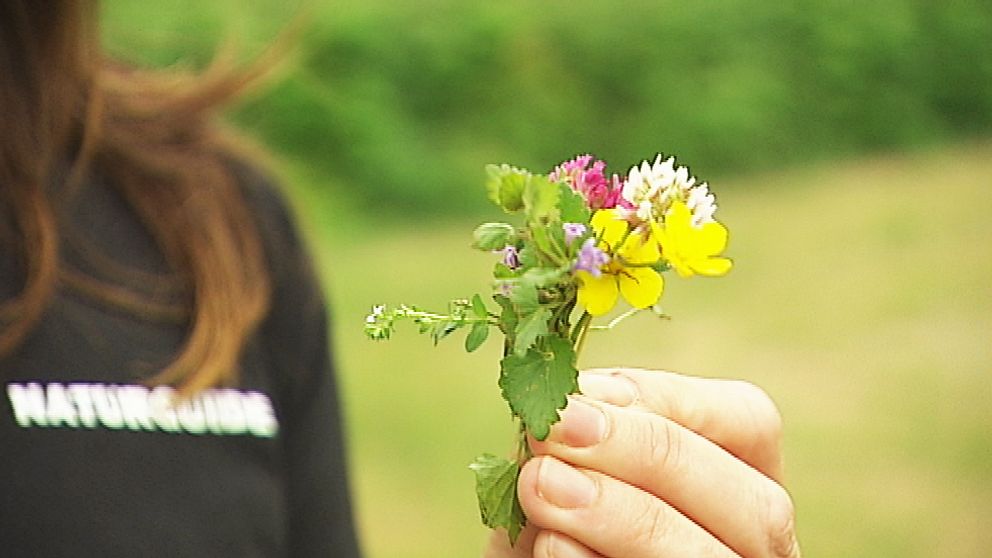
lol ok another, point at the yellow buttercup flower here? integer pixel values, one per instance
(690, 249)
(626, 270)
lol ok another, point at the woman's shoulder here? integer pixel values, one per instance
(267, 199)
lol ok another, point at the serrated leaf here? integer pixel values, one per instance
(528, 257)
(536, 384)
(540, 197)
(496, 489)
(557, 234)
(505, 185)
(524, 297)
(541, 277)
(572, 206)
(476, 336)
(508, 317)
(541, 239)
(492, 236)
(529, 328)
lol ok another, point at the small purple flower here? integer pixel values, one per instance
(504, 288)
(511, 257)
(573, 231)
(591, 259)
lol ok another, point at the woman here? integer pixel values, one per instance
(167, 386)
(163, 352)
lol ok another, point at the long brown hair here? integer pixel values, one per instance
(156, 137)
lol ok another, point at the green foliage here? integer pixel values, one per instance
(540, 198)
(572, 205)
(397, 106)
(496, 488)
(381, 322)
(480, 329)
(536, 289)
(506, 186)
(476, 336)
(392, 111)
(493, 236)
(529, 328)
(536, 384)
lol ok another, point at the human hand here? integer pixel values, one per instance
(647, 464)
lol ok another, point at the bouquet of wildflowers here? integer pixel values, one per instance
(582, 241)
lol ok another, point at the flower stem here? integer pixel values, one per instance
(579, 333)
(616, 321)
(523, 448)
(407, 312)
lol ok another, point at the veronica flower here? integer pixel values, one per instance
(692, 249)
(504, 288)
(591, 259)
(511, 257)
(626, 272)
(573, 231)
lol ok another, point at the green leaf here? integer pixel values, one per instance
(542, 240)
(442, 329)
(524, 297)
(540, 197)
(536, 384)
(492, 236)
(476, 336)
(542, 277)
(508, 317)
(496, 489)
(572, 206)
(503, 271)
(505, 185)
(529, 328)
(528, 257)
(479, 307)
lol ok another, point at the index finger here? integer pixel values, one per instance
(736, 415)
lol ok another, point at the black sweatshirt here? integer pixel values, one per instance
(94, 462)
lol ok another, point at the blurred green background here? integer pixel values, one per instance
(850, 148)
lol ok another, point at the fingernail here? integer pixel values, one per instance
(610, 388)
(560, 546)
(563, 486)
(581, 425)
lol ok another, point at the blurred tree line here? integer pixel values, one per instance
(398, 105)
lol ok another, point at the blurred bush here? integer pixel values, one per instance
(399, 104)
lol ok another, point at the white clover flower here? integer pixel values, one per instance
(702, 204)
(650, 190)
(644, 183)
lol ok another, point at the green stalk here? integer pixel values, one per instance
(523, 448)
(579, 333)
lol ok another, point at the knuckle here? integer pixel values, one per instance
(781, 525)
(649, 526)
(543, 545)
(663, 446)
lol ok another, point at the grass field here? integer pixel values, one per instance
(861, 300)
